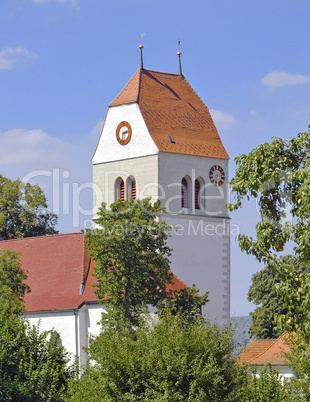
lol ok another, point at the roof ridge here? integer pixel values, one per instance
(196, 94)
(40, 237)
(162, 72)
(139, 85)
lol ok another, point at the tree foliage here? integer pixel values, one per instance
(12, 286)
(131, 256)
(278, 176)
(185, 302)
(268, 386)
(32, 364)
(299, 358)
(294, 288)
(162, 360)
(272, 305)
(23, 211)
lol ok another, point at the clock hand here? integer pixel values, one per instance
(123, 134)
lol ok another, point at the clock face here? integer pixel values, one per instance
(123, 133)
(217, 175)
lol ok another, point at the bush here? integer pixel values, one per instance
(163, 360)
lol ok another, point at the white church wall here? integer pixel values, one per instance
(173, 167)
(89, 326)
(201, 255)
(94, 318)
(141, 143)
(75, 327)
(62, 321)
(201, 242)
(143, 169)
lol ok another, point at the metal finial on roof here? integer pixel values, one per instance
(141, 56)
(141, 50)
(179, 54)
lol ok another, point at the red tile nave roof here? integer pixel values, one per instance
(57, 266)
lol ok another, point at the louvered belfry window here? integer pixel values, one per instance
(184, 193)
(133, 190)
(197, 194)
(121, 191)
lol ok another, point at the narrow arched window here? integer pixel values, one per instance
(121, 191)
(184, 192)
(197, 194)
(133, 189)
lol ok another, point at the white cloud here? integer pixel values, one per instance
(280, 79)
(222, 120)
(32, 148)
(74, 3)
(10, 57)
(62, 170)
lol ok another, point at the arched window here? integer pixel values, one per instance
(184, 193)
(122, 191)
(133, 189)
(119, 189)
(197, 194)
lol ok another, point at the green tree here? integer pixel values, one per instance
(162, 360)
(131, 256)
(267, 387)
(23, 211)
(277, 175)
(186, 302)
(32, 364)
(12, 286)
(264, 292)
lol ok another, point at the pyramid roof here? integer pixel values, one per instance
(170, 107)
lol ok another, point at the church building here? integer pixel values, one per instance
(158, 141)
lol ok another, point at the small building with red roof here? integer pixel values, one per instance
(62, 295)
(262, 352)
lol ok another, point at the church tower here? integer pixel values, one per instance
(159, 141)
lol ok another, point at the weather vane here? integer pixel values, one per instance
(179, 54)
(141, 49)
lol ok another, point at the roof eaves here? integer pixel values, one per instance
(162, 72)
(123, 103)
(89, 302)
(52, 311)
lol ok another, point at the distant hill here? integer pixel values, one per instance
(241, 336)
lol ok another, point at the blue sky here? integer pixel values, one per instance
(63, 61)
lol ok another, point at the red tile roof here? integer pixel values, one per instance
(170, 106)
(265, 351)
(57, 266)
